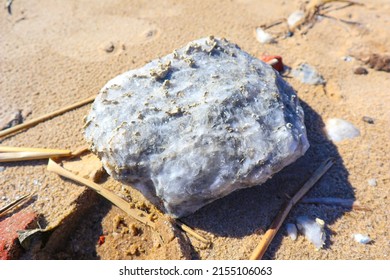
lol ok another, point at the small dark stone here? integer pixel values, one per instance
(109, 47)
(360, 71)
(368, 120)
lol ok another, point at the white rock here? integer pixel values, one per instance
(372, 182)
(339, 130)
(313, 230)
(196, 125)
(263, 36)
(295, 18)
(360, 238)
(292, 231)
(307, 74)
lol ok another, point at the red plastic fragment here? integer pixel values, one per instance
(278, 65)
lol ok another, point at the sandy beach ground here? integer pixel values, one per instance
(55, 53)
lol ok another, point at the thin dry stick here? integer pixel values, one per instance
(80, 151)
(190, 231)
(48, 116)
(114, 199)
(278, 221)
(4, 149)
(20, 156)
(15, 203)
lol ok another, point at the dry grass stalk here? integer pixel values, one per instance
(46, 117)
(191, 232)
(15, 203)
(80, 151)
(260, 250)
(11, 154)
(4, 149)
(20, 156)
(114, 199)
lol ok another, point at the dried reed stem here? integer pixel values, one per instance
(48, 116)
(20, 156)
(260, 250)
(114, 199)
(15, 203)
(4, 149)
(190, 231)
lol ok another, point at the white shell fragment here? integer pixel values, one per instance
(307, 74)
(196, 125)
(339, 130)
(360, 238)
(295, 18)
(372, 182)
(313, 230)
(263, 36)
(292, 231)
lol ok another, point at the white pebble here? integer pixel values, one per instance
(264, 37)
(295, 18)
(372, 182)
(361, 238)
(339, 130)
(313, 230)
(292, 231)
(307, 74)
(347, 58)
(2, 168)
(3, 198)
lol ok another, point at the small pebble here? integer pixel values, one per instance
(264, 37)
(360, 71)
(339, 130)
(295, 18)
(372, 182)
(2, 168)
(361, 238)
(3, 198)
(307, 74)
(347, 58)
(109, 47)
(368, 120)
(292, 231)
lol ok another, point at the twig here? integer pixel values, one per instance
(342, 20)
(278, 221)
(6, 149)
(335, 201)
(15, 203)
(190, 231)
(80, 151)
(48, 116)
(21, 156)
(114, 199)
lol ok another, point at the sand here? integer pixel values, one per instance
(55, 53)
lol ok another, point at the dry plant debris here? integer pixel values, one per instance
(260, 250)
(307, 17)
(48, 116)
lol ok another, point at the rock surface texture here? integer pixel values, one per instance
(196, 125)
